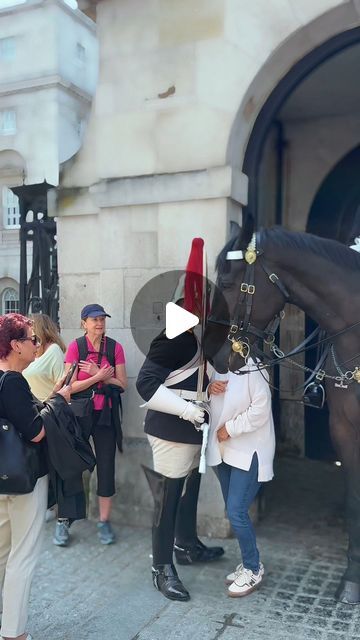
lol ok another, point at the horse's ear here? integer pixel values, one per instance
(246, 232)
(234, 229)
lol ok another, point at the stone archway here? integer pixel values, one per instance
(263, 126)
(285, 69)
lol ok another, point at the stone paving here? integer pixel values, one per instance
(88, 592)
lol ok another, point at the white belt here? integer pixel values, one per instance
(189, 395)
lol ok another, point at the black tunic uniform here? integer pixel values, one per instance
(164, 357)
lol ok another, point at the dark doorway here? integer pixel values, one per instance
(333, 214)
(307, 92)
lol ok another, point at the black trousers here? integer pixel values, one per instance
(104, 438)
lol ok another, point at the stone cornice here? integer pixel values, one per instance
(43, 82)
(80, 16)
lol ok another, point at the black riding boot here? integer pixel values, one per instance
(166, 493)
(188, 547)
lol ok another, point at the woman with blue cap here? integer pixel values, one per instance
(99, 378)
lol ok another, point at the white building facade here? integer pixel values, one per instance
(48, 74)
(201, 108)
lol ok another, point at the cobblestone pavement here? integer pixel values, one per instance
(88, 592)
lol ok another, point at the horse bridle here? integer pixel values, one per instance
(241, 331)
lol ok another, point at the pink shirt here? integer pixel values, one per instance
(72, 354)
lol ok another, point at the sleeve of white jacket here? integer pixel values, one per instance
(258, 412)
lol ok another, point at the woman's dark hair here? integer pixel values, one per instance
(13, 326)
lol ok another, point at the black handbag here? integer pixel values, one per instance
(82, 407)
(19, 459)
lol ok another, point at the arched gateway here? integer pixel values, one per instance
(297, 121)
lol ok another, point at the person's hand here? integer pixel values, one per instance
(104, 373)
(65, 392)
(88, 367)
(217, 387)
(222, 434)
(59, 384)
(193, 413)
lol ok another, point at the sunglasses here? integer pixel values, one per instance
(34, 339)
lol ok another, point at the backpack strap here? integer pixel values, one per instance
(82, 347)
(110, 351)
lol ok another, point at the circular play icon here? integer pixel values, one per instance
(158, 307)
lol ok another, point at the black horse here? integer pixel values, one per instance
(257, 274)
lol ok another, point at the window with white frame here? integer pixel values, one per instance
(11, 210)
(10, 301)
(80, 54)
(7, 122)
(8, 48)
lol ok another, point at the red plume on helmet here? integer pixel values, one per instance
(195, 278)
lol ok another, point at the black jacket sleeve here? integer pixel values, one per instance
(156, 368)
(19, 405)
(164, 357)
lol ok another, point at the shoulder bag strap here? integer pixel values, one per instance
(2, 380)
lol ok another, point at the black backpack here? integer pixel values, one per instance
(109, 351)
(79, 405)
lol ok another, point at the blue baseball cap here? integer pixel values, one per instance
(93, 311)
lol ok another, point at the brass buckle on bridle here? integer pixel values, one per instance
(247, 288)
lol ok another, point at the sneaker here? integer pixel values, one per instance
(105, 533)
(62, 534)
(245, 583)
(239, 569)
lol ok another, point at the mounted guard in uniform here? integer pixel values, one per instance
(171, 381)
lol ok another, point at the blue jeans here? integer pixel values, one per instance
(239, 489)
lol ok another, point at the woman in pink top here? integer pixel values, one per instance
(97, 383)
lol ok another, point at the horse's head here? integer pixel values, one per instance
(244, 296)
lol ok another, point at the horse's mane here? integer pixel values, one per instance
(306, 242)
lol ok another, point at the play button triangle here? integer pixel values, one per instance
(178, 320)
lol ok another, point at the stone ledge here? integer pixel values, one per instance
(217, 182)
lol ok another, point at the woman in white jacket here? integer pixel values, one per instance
(242, 447)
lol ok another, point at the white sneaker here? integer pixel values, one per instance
(245, 583)
(239, 569)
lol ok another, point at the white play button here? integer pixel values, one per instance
(178, 320)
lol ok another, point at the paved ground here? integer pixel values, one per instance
(88, 592)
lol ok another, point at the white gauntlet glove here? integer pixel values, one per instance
(167, 401)
(193, 413)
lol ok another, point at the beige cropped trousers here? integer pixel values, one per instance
(21, 527)
(174, 459)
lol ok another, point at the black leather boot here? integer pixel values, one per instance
(166, 493)
(166, 580)
(188, 548)
(198, 552)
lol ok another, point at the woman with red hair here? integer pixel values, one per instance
(21, 516)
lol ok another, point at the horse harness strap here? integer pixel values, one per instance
(245, 301)
(274, 279)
